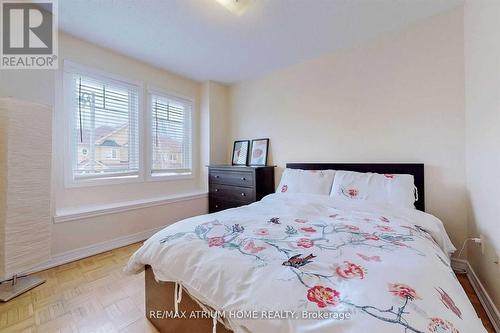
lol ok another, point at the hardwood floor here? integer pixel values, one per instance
(94, 295)
(464, 281)
(88, 295)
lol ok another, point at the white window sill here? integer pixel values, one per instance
(167, 177)
(72, 214)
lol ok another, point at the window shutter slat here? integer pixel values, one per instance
(105, 128)
(171, 135)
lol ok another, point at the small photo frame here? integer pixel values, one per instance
(258, 155)
(240, 152)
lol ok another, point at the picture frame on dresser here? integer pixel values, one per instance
(240, 152)
(259, 151)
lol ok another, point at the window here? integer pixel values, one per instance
(171, 135)
(111, 154)
(104, 126)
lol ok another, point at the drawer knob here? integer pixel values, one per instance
(243, 194)
(216, 190)
(216, 176)
(216, 206)
(243, 178)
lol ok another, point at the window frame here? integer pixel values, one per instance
(149, 135)
(70, 181)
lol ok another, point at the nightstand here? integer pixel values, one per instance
(232, 186)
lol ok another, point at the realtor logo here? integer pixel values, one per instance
(29, 34)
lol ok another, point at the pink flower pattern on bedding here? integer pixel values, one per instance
(438, 325)
(215, 241)
(305, 243)
(251, 248)
(403, 291)
(349, 270)
(308, 229)
(323, 259)
(323, 296)
(262, 232)
(351, 192)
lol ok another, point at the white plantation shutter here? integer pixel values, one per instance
(171, 135)
(105, 127)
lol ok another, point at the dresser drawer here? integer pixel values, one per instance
(231, 178)
(216, 204)
(233, 186)
(232, 193)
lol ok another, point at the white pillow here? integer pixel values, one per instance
(306, 181)
(397, 190)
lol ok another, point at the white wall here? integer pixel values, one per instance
(482, 83)
(205, 132)
(45, 87)
(397, 99)
(219, 123)
(30, 85)
(215, 115)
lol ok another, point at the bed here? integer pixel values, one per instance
(307, 263)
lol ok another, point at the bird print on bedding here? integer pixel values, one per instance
(326, 257)
(320, 235)
(296, 261)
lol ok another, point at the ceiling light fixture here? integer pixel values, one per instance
(237, 7)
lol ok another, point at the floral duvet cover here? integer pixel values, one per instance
(308, 263)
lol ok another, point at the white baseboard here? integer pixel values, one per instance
(484, 298)
(94, 249)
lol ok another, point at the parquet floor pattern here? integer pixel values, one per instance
(88, 295)
(93, 295)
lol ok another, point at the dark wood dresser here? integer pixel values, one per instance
(232, 186)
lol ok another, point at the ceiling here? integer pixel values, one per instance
(202, 40)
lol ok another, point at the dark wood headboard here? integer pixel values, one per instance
(415, 169)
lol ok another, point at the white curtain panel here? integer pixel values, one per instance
(25, 164)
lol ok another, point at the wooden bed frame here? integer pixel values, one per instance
(160, 295)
